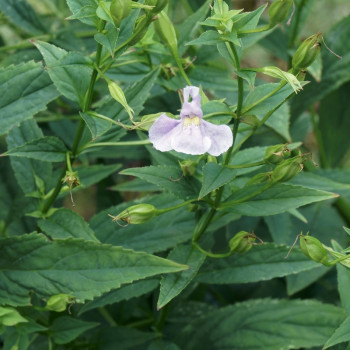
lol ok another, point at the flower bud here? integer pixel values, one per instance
(59, 302)
(120, 9)
(307, 52)
(166, 31)
(276, 154)
(259, 178)
(241, 242)
(314, 249)
(287, 170)
(140, 30)
(136, 214)
(158, 5)
(279, 11)
(188, 167)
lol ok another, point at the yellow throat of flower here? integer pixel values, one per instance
(188, 121)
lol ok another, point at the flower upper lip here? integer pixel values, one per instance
(191, 134)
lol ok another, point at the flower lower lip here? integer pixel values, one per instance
(189, 121)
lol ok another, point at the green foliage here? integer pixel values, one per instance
(107, 242)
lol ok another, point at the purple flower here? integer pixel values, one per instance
(191, 134)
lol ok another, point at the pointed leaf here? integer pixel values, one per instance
(172, 287)
(69, 71)
(281, 325)
(262, 262)
(83, 269)
(25, 90)
(64, 223)
(47, 149)
(215, 176)
(341, 334)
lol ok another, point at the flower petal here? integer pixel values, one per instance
(220, 135)
(190, 140)
(192, 108)
(160, 133)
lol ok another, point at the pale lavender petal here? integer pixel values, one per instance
(192, 108)
(220, 135)
(190, 140)
(160, 133)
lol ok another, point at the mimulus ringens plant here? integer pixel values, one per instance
(191, 134)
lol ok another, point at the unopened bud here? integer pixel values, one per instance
(279, 11)
(307, 52)
(136, 214)
(120, 9)
(259, 178)
(241, 242)
(141, 28)
(158, 5)
(166, 31)
(59, 302)
(288, 169)
(188, 167)
(276, 154)
(314, 249)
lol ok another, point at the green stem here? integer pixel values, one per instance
(273, 92)
(69, 164)
(242, 166)
(107, 316)
(181, 69)
(165, 210)
(343, 207)
(140, 323)
(121, 143)
(162, 318)
(78, 135)
(210, 254)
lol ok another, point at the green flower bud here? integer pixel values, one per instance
(120, 9)
(314, 249)
(59, 302)
(166, 31)
(158, 5)
(279, 11)
(140, 30)
(241, 242)
(136, 214)
(259, 178)
(276, 154)
(287, 170)
(188, 167)
(307, 52)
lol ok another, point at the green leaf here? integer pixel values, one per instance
(125, 292)
(281, 325)
(46, 149)
(279, 122)
(277, 199)
(26, 170)
(190, 26)
(65, 329)
(92, 174)
(64, 223)
(69, 71)
(343, 274)
(10, 317)
(124, 338)
(168, 178)
(97, 126)
(23, 16)
(317, 180)
(209, 37)
(84, 11)
(83, 269)
(108, 39)
(172, 287)
(25, 90)
(215, 176)
(341, 334)
(261, 263)
(136, 185)
(157, 235)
